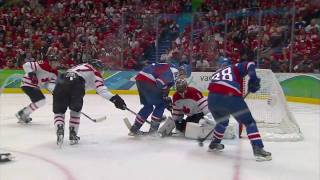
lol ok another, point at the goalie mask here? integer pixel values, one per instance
(181, 85)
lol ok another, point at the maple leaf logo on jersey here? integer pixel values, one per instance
(186, 110)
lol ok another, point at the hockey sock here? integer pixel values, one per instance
(139, 121)
(254, 135)
(34, 106)
(141, 117)
(155, 122)
(74, 120)
(58, 119)
(156, 116)
(218, 131)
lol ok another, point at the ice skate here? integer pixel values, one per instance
(261, 155)
(214, 147)
(138, 133)
(22, 117)
(60, 134)
(74, 139)
(5, 157)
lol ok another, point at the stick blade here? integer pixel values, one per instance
(100, 119)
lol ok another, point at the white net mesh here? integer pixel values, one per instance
(270, 110)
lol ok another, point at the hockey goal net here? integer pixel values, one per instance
(270, 110)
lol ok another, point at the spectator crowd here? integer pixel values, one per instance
(282, 35)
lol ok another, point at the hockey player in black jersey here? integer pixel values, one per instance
(69, 92)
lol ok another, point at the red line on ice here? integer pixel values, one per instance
(65, 171)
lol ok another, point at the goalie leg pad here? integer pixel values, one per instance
(167, 127)
(196, 131)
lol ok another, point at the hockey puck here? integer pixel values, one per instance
(200, 143)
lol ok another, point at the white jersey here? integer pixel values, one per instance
(45, 74)
(93, 79)
(190, 103)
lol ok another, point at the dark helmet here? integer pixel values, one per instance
(96, 63)
(181, 85)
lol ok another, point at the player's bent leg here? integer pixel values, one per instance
(143, 114)
(256, 142)
(156, 117)
(38, 100)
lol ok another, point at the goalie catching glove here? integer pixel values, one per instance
(118, 102)
(254, 84)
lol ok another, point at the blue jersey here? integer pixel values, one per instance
(159, 74)
(229, 80)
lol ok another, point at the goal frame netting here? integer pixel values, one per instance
(270, 109)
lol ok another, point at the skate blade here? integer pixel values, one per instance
(214, 150)
(261, 159)
(73, 142)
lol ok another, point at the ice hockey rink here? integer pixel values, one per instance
(106, 152)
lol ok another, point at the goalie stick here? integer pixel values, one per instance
(201, 140)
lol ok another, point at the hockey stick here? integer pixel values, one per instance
(94, 119)
(136, 114)
(201, 140)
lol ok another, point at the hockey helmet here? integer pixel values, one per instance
(185, 70)
(174, 72)
(223, 61)
(181, 85)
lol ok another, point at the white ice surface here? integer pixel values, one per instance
(106, 152)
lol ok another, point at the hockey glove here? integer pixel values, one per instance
(33, 78)
(168, 103)
(118, 102)
(254, 85)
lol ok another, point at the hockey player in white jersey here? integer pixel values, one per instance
(38, 75)
(69, 93)
(189, 101)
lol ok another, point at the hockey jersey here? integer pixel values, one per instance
(46, 75)
(190, 103)
(229, 80)
(159, 74)
(93, 79)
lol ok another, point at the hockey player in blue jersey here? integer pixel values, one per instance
(154, 83)
(225, 99)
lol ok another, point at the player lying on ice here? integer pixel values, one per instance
(190, 101)
(69, 93)
(226, 98)
(38, 74)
